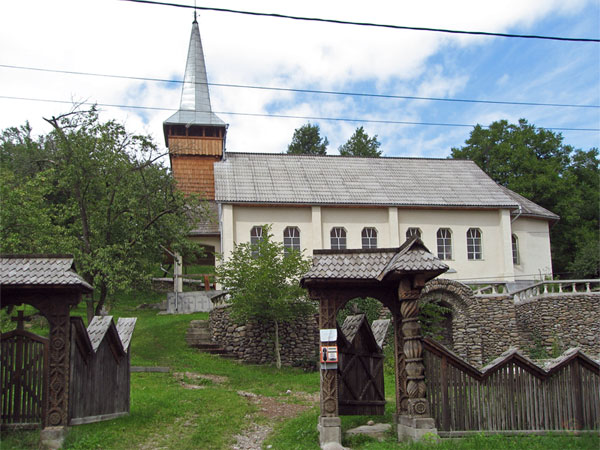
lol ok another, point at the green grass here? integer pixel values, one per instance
(166, 415)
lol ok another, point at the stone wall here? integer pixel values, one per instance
(562, 321)
(484, 326)
(254, 342)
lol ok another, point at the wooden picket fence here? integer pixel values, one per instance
(512, 394)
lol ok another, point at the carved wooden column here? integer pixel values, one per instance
(329, 385)
(417, 404)
(57, 314)
(399, 363)
(414, 422)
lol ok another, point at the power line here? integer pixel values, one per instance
(305, 91)
(283, 116)
(368, 24)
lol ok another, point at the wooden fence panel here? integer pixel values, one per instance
(23, 378)
(512, 393)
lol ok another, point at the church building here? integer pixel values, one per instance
(482, 230)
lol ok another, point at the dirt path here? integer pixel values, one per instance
(272, 410)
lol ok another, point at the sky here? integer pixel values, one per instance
(139, 40)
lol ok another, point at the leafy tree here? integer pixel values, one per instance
(263, 283)
(360, 144)
(91, 189)
(535, 163)
(307, 140)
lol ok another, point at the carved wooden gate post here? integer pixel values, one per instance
(414, 420)
(330, 427)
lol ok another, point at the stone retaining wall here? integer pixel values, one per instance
(561, 321)
(484, 326)
(254, 342)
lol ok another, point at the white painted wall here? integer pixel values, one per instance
(534, 246)
(315, 224)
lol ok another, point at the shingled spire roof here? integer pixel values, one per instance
(195, 108)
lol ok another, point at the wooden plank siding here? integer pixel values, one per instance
(196, 145)
(99, 386)
(512, 394)
(195, 174)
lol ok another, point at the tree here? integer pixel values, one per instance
(263, 283)
(307, 140)
(535, 163)
(94, 190)
(360, 144)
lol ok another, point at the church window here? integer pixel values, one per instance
(256, 235)
(413, 231)
(515, 249)
(291, 239)
(474, 244)
(338, 238)
(444, 243)
(369, 237)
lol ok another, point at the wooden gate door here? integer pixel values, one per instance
(23, 378)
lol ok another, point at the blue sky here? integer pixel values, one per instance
(121, 38)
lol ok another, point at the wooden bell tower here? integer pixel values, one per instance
(195, 135)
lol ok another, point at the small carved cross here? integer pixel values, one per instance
(20, 319)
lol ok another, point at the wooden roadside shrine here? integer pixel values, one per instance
(395, 277)
(51, 381)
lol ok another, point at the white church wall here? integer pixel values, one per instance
(315, 224)
(534, 248)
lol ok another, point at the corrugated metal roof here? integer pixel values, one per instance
(304, 179)
(529, 208)
(209, 224)
(40, 270)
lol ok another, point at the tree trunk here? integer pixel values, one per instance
(277, 353)
(102, 299)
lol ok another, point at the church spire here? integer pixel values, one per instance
(195, 107)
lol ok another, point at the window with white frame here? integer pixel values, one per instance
(515, 249)
(338, 238)
(256, 235)
(369, 237)
(444, 243)
(291, 239)
(413, 231)
(474, 251)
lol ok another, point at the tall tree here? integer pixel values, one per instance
(99, 193)
(535, 163)
(307, 140)
(360, 144)
(263, 281)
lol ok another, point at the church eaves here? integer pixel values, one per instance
(195, 107)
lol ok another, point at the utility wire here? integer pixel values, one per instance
(283, 116)
(305, 91)
(368, 24)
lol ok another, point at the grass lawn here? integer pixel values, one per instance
(167, 414)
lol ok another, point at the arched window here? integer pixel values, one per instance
(338, 238)
(444, 243)
(291, 239)
(413, 231)
(474, 250)
(515, 249)
(369, 237)
(256, 235)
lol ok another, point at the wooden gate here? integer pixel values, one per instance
(24, 378)
(360, 369)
